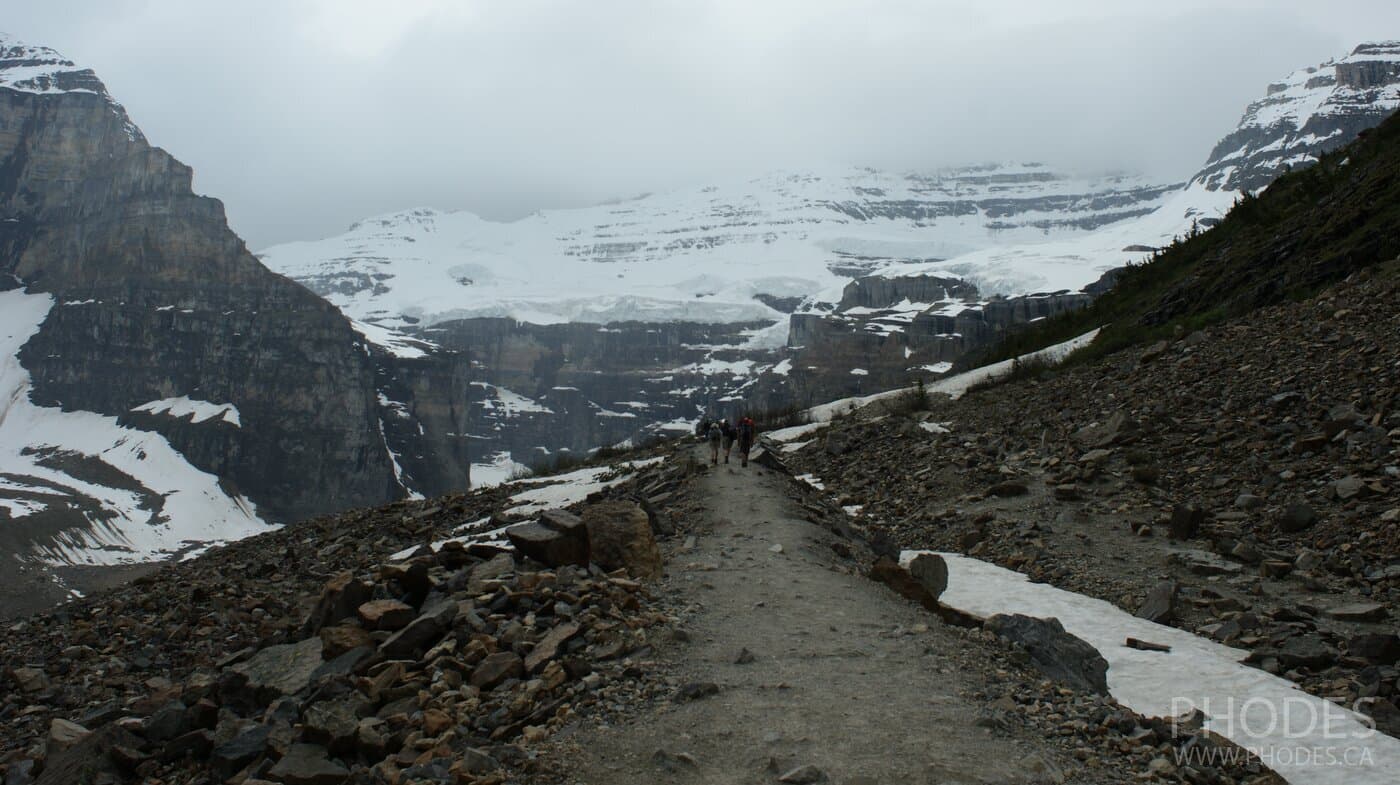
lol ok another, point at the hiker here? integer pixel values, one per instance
(747, 430)
(715, 434)
(729, 433)
(702, 428)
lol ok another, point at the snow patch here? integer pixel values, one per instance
(1197, 673)
(198, 411)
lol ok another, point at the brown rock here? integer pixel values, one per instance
(341, 638)
(496, 668)
(339, 599)
(889, 572)
(386, 614)
(619, 536)
(548, 647)
(435, 722)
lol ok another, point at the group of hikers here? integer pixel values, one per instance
(722, 432)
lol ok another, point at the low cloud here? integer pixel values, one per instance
(307, 119)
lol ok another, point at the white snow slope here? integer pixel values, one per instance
(121, 525)
(703, 254)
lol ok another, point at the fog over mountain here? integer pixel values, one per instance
(304, 120)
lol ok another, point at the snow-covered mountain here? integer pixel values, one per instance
(797, 286)
(723, 253)
(1313, 110)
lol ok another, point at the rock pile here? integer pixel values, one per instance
(306, 658)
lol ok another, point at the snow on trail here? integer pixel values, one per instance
(573, 487)
(952, 386)
(123, 530)
(1305, 739)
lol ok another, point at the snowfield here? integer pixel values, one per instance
(702, 255)
(179, 507)
(1261, 712)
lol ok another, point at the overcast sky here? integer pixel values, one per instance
(306, 115)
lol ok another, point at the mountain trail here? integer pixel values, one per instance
(845, 676)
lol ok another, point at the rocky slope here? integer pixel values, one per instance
(409, 644)
(1242, 482)
(161, 387)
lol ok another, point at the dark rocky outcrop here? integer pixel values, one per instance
(156, 298)
(1059, 654)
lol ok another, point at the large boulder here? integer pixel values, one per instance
(931, 572)
(1160, 605)
(558, 538)
(281, 670)
(1058, 654)
(619, 536)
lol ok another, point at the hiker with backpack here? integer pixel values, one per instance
(715, 434)
(747, 431)
(730, 432)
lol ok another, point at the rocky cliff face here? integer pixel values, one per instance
(159, 315)
(1313, 111)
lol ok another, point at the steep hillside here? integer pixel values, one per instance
(161, 388)
(1309, 228)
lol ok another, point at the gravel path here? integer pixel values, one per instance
(845, 676)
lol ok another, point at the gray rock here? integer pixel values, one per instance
(1160, 605)
(1008, 488)
(931, 571)
(548, 546)
(422, 632)
(308, 764)
(1058, 654)
(1186, 521)
(1296, 518)
(231, 756)
(1359, 611)
(803, 775)
(281, 670)
(1205, 563)
(1375, 647)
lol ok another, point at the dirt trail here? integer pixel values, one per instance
(846, 676)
